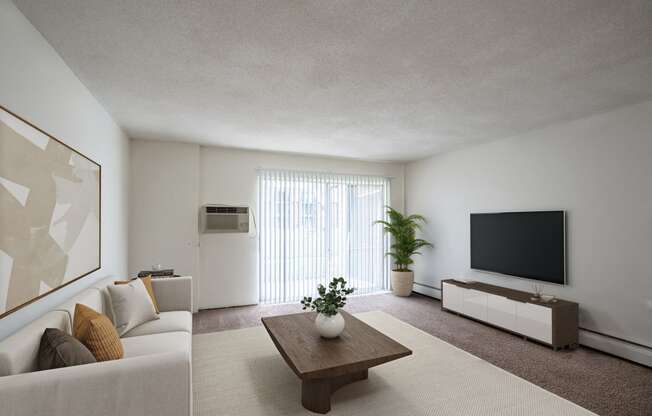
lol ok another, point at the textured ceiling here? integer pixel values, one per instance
(383, 80)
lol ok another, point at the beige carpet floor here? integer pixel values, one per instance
(240, 372)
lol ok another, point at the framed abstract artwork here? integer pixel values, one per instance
(50, 219)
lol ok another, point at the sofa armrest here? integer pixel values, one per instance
(173, 293)
(157, 384)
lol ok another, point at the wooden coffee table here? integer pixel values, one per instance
(325, 365)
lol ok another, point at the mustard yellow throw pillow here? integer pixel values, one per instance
(97, 333)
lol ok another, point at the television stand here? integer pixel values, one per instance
(552, 323)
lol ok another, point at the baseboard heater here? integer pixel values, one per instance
(628, 350)
(423, 289)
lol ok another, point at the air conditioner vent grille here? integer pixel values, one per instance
(227, 210)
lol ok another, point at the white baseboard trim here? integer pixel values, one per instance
(633, 352)
(223, 306)
(427, 290)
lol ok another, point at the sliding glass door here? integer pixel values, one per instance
(316, 226)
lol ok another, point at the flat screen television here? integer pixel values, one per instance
(530, 245)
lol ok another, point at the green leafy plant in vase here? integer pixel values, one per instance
(329, 322)
(403, 230)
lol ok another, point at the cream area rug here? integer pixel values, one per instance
(241, 373)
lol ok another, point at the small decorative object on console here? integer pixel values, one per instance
(547, 298)
(538, 289)
(329, 321)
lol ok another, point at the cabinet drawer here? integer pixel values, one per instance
(452, 297)
(501, 312)
(474, 304)
(534, 321)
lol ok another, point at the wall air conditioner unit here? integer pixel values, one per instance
(224, 219)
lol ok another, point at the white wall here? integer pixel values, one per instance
(37, 85)
(228, 176)
(164, 195)
(599, 169)
(170, 181)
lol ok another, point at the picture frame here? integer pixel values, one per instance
(50, 213)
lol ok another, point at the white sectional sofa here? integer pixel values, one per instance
(154, 377)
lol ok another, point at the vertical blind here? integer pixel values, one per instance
(316, 226)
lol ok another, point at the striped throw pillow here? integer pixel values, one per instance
(97, 333)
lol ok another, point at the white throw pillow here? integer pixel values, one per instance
(131, 305)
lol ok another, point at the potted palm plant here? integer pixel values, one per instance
(405, 244)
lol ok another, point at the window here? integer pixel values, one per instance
(316, 226)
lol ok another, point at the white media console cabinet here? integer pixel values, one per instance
(554, 324)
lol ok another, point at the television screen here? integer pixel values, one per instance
(523, 244)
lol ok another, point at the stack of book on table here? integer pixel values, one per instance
(157, 273)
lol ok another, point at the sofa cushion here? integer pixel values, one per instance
(132, 305)
(19, 351)
(157, 343)
(97, 333)
(59, 349)
(147, 281)
(167, 322)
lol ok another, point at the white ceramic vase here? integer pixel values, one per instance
(329, 326)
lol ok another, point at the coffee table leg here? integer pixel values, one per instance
(316, 394)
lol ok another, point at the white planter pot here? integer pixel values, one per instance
(329, 326)
(402, 283)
